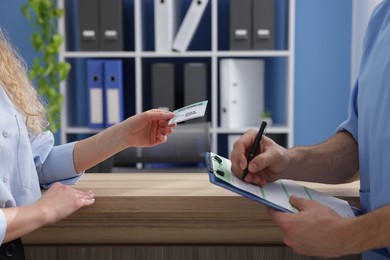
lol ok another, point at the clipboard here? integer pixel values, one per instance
(275, 195)
(212, 171)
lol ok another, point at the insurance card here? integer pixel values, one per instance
(189, 112)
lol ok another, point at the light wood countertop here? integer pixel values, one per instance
(169, 209)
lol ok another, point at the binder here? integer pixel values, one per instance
(88, 25)
(113, 88)
(241, 24)
(111, 25)
(166, 14)
(195, 84)
(242, 92)
(263, 34)
(95, 93)
(189, 25)
(276, 194)
(163, 86)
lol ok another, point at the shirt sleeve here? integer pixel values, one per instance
(53, 163)
(351, 124)
(3, 226)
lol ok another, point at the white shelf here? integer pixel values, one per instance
(254, 54)
(99, 54)
(150, 54)
(139, 55)
(270, 130)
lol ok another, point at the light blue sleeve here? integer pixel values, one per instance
(3, 226)
(351, 124)
(53, 163)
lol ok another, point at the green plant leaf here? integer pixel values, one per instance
(64, 69)
(37, 41)
(47, 70)
(25, 12)
(59, 13)
(57, 40)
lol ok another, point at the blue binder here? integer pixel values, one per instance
(95, 93)
(113, 92)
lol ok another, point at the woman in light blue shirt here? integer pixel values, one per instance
(359, 149)
(28, 157)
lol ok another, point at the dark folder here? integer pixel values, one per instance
(195, 84)
(163, 86)
(240, 24)
(263, 33)
(111, 25)
(88, 25)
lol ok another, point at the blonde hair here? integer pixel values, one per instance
(15, 81)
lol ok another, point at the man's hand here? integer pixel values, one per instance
(315, 230)
(268, 164)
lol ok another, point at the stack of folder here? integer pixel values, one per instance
(169, 35)
(252, 24)
(100, 25)
(105, 91)
(165, 91)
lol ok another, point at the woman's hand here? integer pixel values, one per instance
(148, 128)
(60, 201)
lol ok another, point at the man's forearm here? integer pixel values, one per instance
(370, 231)
(334, 161)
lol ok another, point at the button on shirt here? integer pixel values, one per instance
(25, 162)
(369, 113)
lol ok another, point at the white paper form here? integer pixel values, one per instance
(279, 192)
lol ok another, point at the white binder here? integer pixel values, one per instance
(242, 92)
(166, 13)
(188, 26)
(231, 140)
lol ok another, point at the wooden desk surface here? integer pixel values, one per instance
(168, 209)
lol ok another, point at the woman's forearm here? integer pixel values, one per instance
(93, 150)
(17, 219)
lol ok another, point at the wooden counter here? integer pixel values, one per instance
(168, 209)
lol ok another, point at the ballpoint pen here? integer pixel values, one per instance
(255, 146)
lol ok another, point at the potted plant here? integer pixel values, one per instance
(47, 70)
(266, 116)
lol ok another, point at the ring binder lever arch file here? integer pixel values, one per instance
(95, 90)
(88, 25)
(263, 24)
(166, 13)
(189, 25)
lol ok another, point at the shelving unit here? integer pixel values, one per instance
(282, 128)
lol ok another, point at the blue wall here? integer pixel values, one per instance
(322, 80)
(17, 28)
(322, 71)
